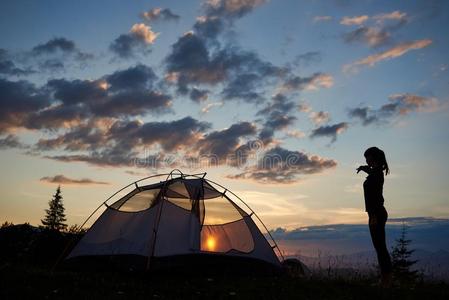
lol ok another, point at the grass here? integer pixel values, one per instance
(26, 253)
(21, 282)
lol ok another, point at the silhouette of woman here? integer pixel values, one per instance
(374, 205)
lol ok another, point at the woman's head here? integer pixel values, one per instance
(376, 158)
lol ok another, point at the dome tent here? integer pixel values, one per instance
(184, 218)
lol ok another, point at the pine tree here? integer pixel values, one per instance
(55, 217)
(401, 259)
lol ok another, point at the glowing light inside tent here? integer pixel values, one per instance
(210, 243)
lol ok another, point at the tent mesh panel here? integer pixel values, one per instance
(227, 237)
(137, 201)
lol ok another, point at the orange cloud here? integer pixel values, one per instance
(395, 15)
(358, 20)
(144, 33)
(61, 179)
(394, 52)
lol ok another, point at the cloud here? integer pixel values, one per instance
(143, 33)
(76, 91)
(84, 98)
(373, 37)
(172, 135)
(138, 102)
(220, 15)
(104, 158)
(54, 45)
(8, 67)
(395, 16)
(137, 77)
(54, 117)
(307, 58)
(357, 20)
(11, 141)
(407, 103)
(242, 73)
(314, 82)
(319, 117)
(276, 116)
(122, 93)
(189, 62)
(330, 131)
(138, 38)
(61, 179)
(209, 106)
(380, 33)
(279, 165)
(118, 144)
(209, 27)
(198, 95)
(317, 19)
(396, 51)
(157, 14)
(398, 105)
(58, 48)
(90, 136)
(51, 65)
(198, 59)
(221, 144)
(244, 86)
(113, 158)
(280, 103)
(296, 134)
(304, 107)
(364, 114)
(129, 135)
(134, 173)
(18, 99)
(62, 103)
(231, 8)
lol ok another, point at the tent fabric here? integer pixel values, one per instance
(175, 234)
(227, 237)
(117, 232)
(177, 217)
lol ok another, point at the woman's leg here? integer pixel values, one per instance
(377, 231)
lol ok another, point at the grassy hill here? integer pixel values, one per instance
(27, 255)
(25, 282)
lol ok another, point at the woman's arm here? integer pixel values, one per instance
(365, 169)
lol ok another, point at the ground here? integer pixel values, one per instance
(27, 255)
(21, 282)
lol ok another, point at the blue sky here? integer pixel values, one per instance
(88, 86)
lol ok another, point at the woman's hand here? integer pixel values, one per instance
(372, 220)
(363, 168)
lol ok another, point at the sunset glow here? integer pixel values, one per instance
(275, 100)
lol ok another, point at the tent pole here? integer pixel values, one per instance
(158, 219)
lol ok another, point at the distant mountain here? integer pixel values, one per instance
(350, 246)
(434, 265)
(428, 234)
